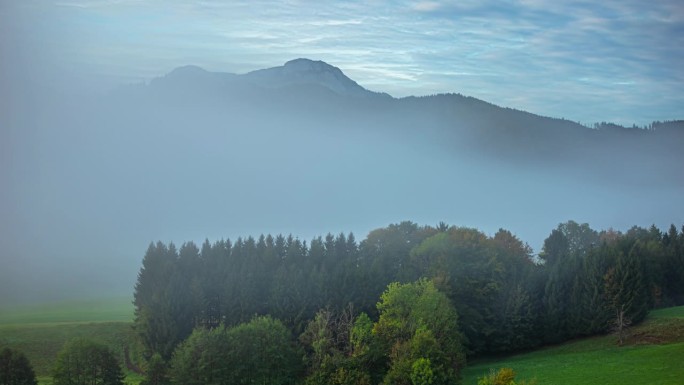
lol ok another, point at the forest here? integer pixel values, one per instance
(409, 304)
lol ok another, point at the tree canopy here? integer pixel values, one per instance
(419, 329)
(261, 351)
(85, 362)
(405, 305)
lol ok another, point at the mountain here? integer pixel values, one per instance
(293, 75)
(302, 149)
(305, 71)
(458, 123)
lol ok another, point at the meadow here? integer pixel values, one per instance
(40, 331)
(653, 354)
(116, 309)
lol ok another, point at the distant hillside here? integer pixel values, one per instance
(303, 92)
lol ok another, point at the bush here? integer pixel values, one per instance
(505, 376)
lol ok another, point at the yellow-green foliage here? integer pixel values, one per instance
(421, 373)
(418, 321)
(504, 376)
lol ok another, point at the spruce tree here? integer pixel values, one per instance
(626, 291)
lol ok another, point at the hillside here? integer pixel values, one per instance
(652, 355)
(315, 90)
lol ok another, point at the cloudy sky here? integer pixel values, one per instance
(84, 191)
(586, 61)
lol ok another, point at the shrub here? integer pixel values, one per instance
(504, 376)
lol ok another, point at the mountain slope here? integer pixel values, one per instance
(303, 92)
(305, 71)
(294, 75)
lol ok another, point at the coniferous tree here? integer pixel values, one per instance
(595, 313)
(154, 321)
(673, 244)
(503, 298)
(185, 299)
(626, 292)
(560, 308)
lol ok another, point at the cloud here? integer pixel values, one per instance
(427, 6)
(97, 3)
(323, 23)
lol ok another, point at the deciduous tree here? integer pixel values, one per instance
(417, 321)
(15, 368)
(85, 362)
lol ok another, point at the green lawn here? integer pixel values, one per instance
(654, 354)
(670, 312)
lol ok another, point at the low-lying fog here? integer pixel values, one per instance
(88, 182)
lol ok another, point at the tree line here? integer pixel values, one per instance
(329, 298)
(404, 306)
(416, 340)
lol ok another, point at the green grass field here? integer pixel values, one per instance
(653, 354)
(118, 309)
(40, 331)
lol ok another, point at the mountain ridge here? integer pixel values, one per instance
(303, 90)
(294, 73)
(453, 121)
(303, 72)
(307, 71)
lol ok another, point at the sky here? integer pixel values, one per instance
(83, 194)
(586, 61)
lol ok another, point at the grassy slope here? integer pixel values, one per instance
(653, 355)
(41, 331)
